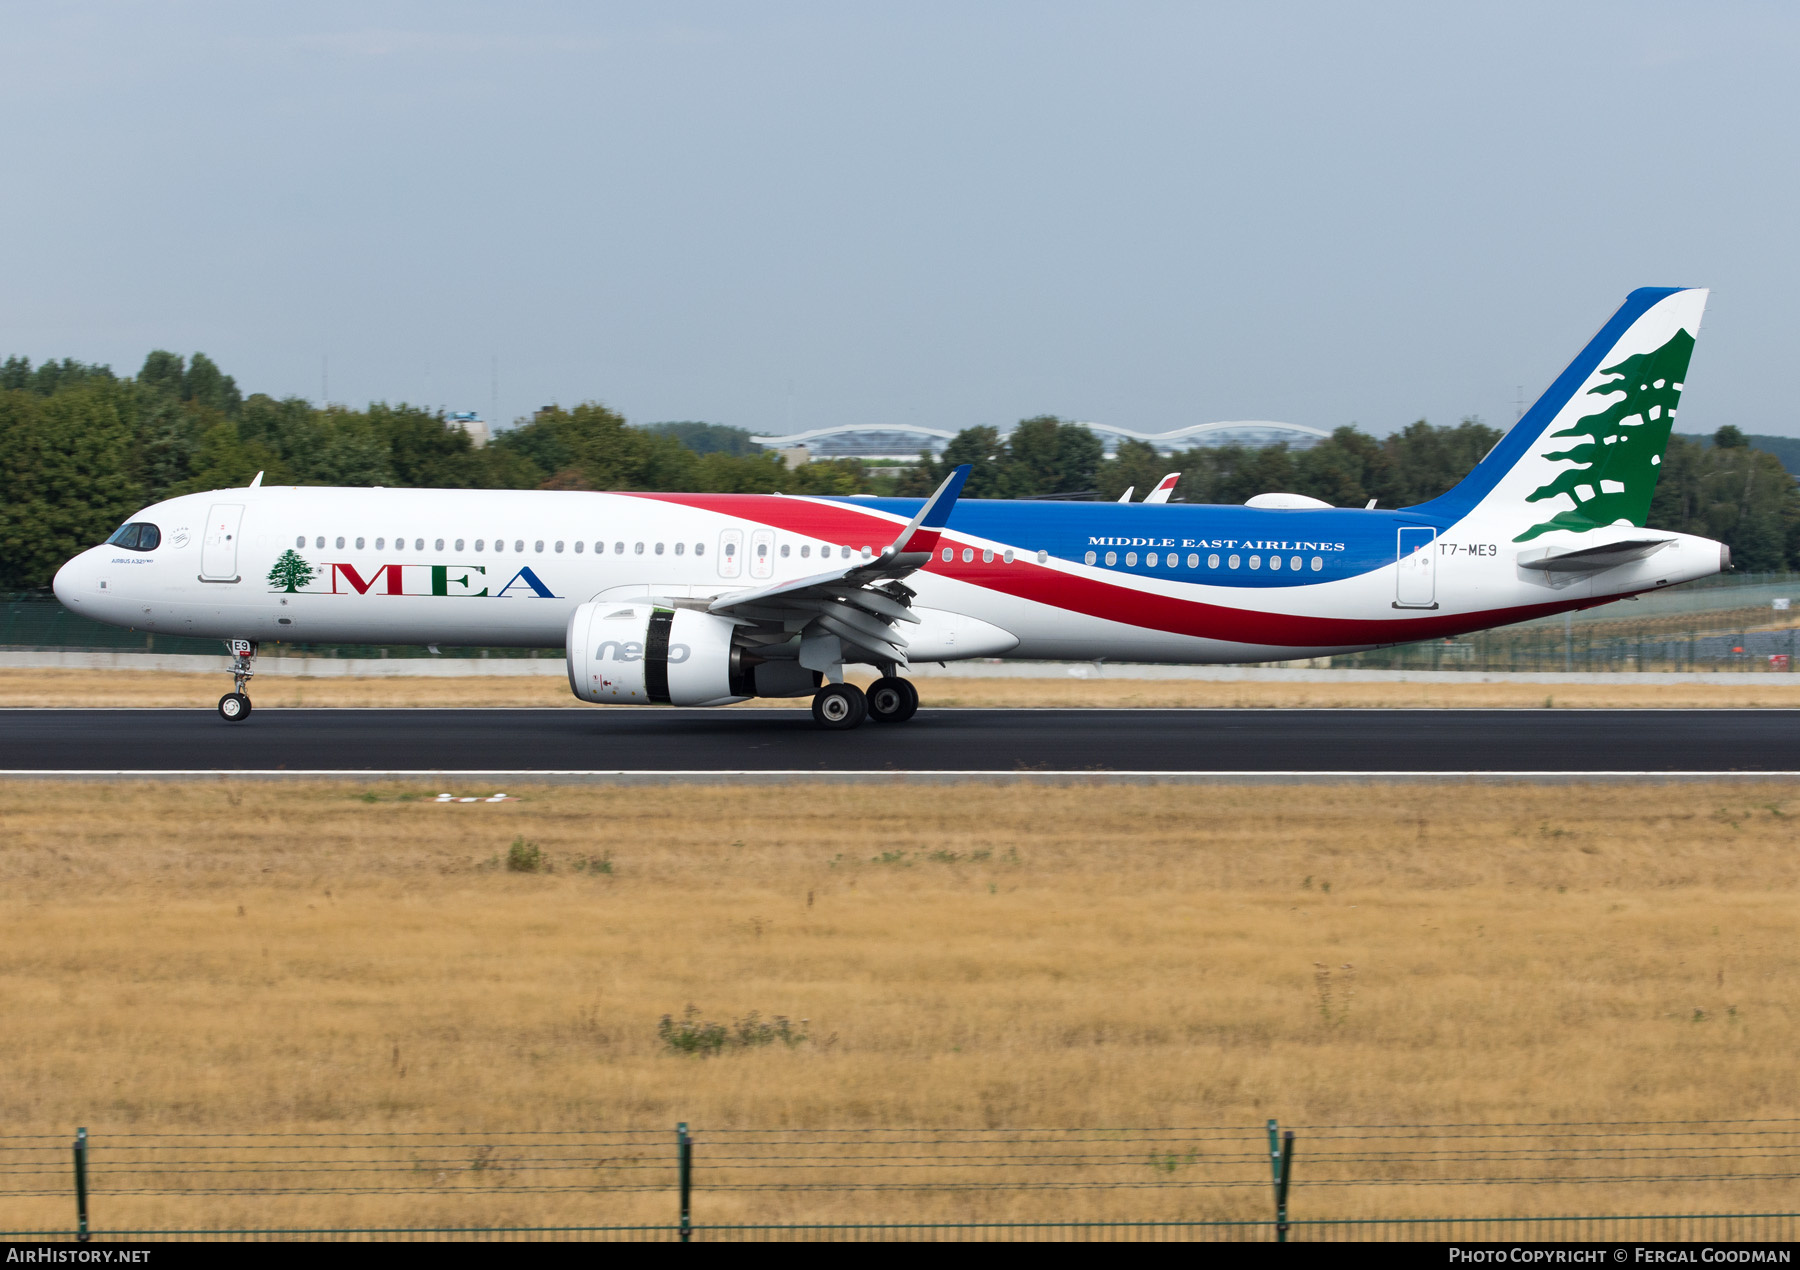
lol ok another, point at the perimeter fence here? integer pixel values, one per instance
(1737, 622)
(1217, 1182)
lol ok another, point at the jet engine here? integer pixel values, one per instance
(641, 653)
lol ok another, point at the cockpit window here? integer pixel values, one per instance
(139, 535)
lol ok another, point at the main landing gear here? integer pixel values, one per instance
(841, 707)
(234, 706)
(892, 700)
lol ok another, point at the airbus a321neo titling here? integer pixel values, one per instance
(707, 599)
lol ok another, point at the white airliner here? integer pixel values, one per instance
(707, 599)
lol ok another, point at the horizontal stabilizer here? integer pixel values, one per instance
(1594, 557)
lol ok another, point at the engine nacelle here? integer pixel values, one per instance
(627, 652)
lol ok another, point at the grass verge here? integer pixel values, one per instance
(344, 957)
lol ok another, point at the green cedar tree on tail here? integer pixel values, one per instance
(1613, 471)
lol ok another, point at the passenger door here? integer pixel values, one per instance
(1416, 585)
(219, 549)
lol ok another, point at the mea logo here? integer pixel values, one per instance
(292, 574)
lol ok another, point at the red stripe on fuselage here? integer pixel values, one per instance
(1027, 580)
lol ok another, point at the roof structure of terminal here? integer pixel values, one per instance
(905, 441)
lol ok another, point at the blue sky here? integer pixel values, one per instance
(944, 214)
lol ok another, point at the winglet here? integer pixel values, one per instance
(921, 533)
(256, 481)
(1164, 488)
(1126, 496)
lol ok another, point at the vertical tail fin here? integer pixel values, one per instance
(1588, 453)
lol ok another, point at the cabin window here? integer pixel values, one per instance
(949, 555)
(1112, 558)
(680, 547)
(1317, 563)
(640, 549)
(319, 542)
(1130, 559)
(1256, 562)
(1194, 561)
(1008, 557)
(1212, 562)
(1151, 559)
(580, 547)
(478, 544)
(845, 552)
(559, 546)
(599, 548)
(619, 548)
(440, 545)
(785, 550)
(1044, 557)
(1232, 562)
(1089, 558)
(968, 555)
(340, 543)
(459, 543)
(659, 547)
(539, 546)
(381, 544)
(519, 544)
(399, 544)
(359, 544)
(699, 548)
(298, 542)
(987, 556)
(1274, 562)
(418, 544)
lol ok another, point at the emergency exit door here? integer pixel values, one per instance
(731, 553)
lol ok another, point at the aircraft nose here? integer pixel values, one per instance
(67, 583)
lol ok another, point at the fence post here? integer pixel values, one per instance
(1281, 1188)
(81, 1214)
(684, 1147)
(1275, 1172)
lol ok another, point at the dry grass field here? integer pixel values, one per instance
(46, 688)
(249, 956)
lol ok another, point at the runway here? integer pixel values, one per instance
(771, 743)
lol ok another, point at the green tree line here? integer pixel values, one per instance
(85, 448)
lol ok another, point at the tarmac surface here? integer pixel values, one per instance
(944, 741)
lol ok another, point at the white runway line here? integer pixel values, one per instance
(810, 774)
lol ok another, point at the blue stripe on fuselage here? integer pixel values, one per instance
(1348, 541)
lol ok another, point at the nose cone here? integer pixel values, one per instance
(71, 581)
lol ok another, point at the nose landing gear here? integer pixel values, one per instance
(234, 706)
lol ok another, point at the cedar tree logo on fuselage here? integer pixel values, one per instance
(451, 580)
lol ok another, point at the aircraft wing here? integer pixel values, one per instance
(849, 614)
